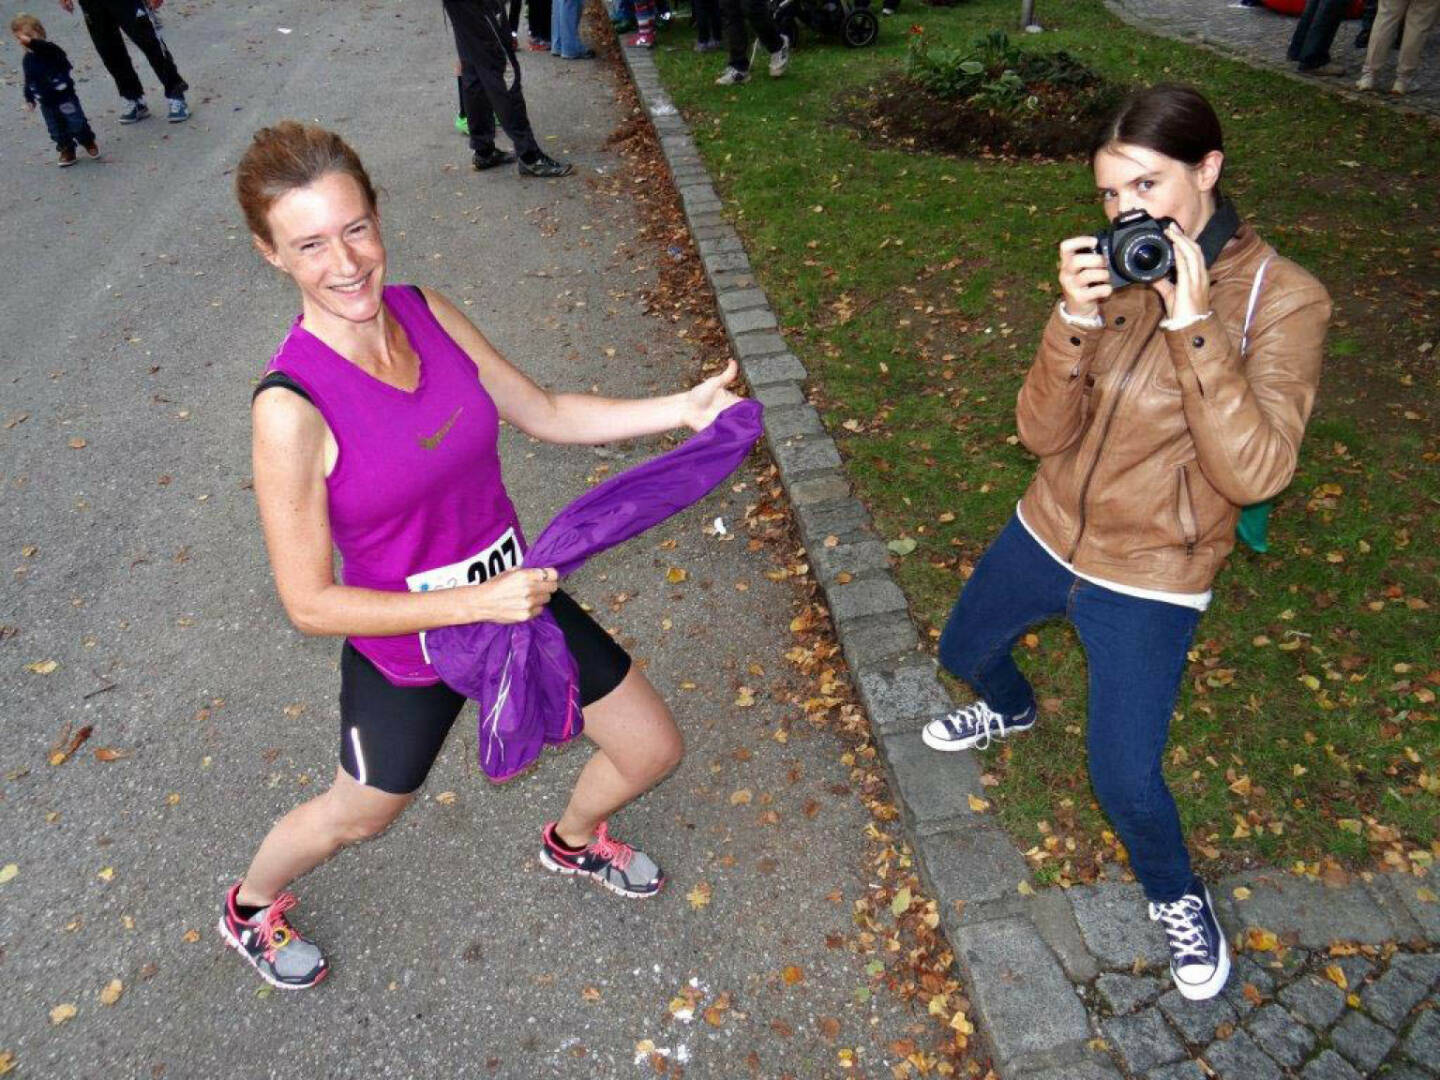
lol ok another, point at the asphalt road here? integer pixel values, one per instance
(136, 318)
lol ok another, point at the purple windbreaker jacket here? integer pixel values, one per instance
(521, 674)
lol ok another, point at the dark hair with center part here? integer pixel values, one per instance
(1170, 119)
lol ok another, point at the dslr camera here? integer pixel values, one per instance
(1136, 249)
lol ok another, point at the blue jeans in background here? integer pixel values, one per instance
(1135, 650)
(565, 29)
(65, 120)
(1315, 32)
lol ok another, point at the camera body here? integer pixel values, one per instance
(1136, 249)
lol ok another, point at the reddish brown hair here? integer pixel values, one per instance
(287, 156)
(29, 24)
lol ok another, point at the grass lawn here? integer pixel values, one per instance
(914, 287)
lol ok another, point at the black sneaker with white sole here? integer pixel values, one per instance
(544, 166)
(974, 725)
(1199, 958)
(619, 867)
(272, 946)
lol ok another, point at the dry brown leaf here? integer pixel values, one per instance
(445, 798)
(110, 753)
(76, 443)
(792, 975)
(741, 797)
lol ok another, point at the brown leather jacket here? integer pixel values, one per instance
(1150, 440)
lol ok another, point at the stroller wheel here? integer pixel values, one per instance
(861, 28)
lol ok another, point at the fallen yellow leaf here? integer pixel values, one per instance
(978, 804)
(1241, 893)
(675, 575)
(792, 975)
(42, 667)
(1260, 940)
(741, 797)
(190, 937)
(60, 1013)
(1336, 974)
(699, 896)
(111, 994)
(745, 698)
(107, 874)
(7, 1062)
(76, 443)
(445, 798)
(7, 872)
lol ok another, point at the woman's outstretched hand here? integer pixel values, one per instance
(707, 400)
(1084, 277)
(1188, 296)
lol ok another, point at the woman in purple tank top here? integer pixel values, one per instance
(375, 435)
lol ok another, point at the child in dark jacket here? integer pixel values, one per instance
(48, 83)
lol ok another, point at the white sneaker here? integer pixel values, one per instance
(732, 76)
(1366, 81)
(1401, 87)
(1199, 957)
(780, 60)
(973, 725)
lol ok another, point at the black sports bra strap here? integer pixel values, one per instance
(279, 378)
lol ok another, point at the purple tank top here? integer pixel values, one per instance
(416, 498)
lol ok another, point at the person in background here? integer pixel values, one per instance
(565, 40)
(106, 20)
(485, 43)
(708, 28)
(644, 36)
(734, 15)
(1418, 17)
(1367, 22)
(537, 24)
(1314, 34)
(48, 84)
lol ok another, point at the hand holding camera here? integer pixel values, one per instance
(1136, 250)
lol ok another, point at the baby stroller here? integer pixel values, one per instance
(852, 20)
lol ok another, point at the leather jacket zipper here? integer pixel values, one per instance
(1100, 449)
(1185, 510)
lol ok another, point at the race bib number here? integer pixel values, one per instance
(502, 555)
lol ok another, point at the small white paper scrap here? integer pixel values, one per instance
(720, 526)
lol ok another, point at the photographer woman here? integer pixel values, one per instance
(1157, 412)
(375, 432)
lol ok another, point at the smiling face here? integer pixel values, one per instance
(326, 237)
(1134, 178)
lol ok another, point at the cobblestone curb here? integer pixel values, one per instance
(1073, 984)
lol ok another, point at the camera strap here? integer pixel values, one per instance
(1223, 224)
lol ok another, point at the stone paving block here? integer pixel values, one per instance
(1422, 1043)
(1090, 1067)
(782, 367)
(1125, 993)
(1021, 995)
(1362, 1040)
(974, 864)
(799, 456)
(1318, 1002)
(1356, 969)
(710, 232)
(1052, 915)
(1317, 913)
(1244, 970)
(718, 244)
(864, 557)
(873, 596)
(740, 299)
(1143, 1040)
(1391, 997)
(745, 322)
(732, 279)
(1389, 900)
(1180, 1070)
(1238, 1058)
(1115, 922)
(1328, 1065)
(778, 395)
(758, 344)
(703, 191)
(1407, 1072)
(1197, 1021)
(902, 695)
(1423, 968)
(704, 206)
(1425, 913)
(818, 490)
(878, 639)
(1281, 1036)
(932, 787)
(731, 261)
(839, 519)
(713, 217)
(788, 423)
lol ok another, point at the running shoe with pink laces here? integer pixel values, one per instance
(282, 957)
(619, 867)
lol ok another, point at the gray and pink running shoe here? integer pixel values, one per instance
(619, 867)
(282, 957)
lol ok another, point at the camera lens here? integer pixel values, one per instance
(1147, 258)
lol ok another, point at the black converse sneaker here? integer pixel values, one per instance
(973, 725)
(1199, 959)
(267, 940)
(619, 867)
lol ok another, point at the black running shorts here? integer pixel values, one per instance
(390, 735)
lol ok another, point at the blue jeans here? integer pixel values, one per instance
(565, 29)
(1135, 650)
(1315, 31)
(65, 120)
